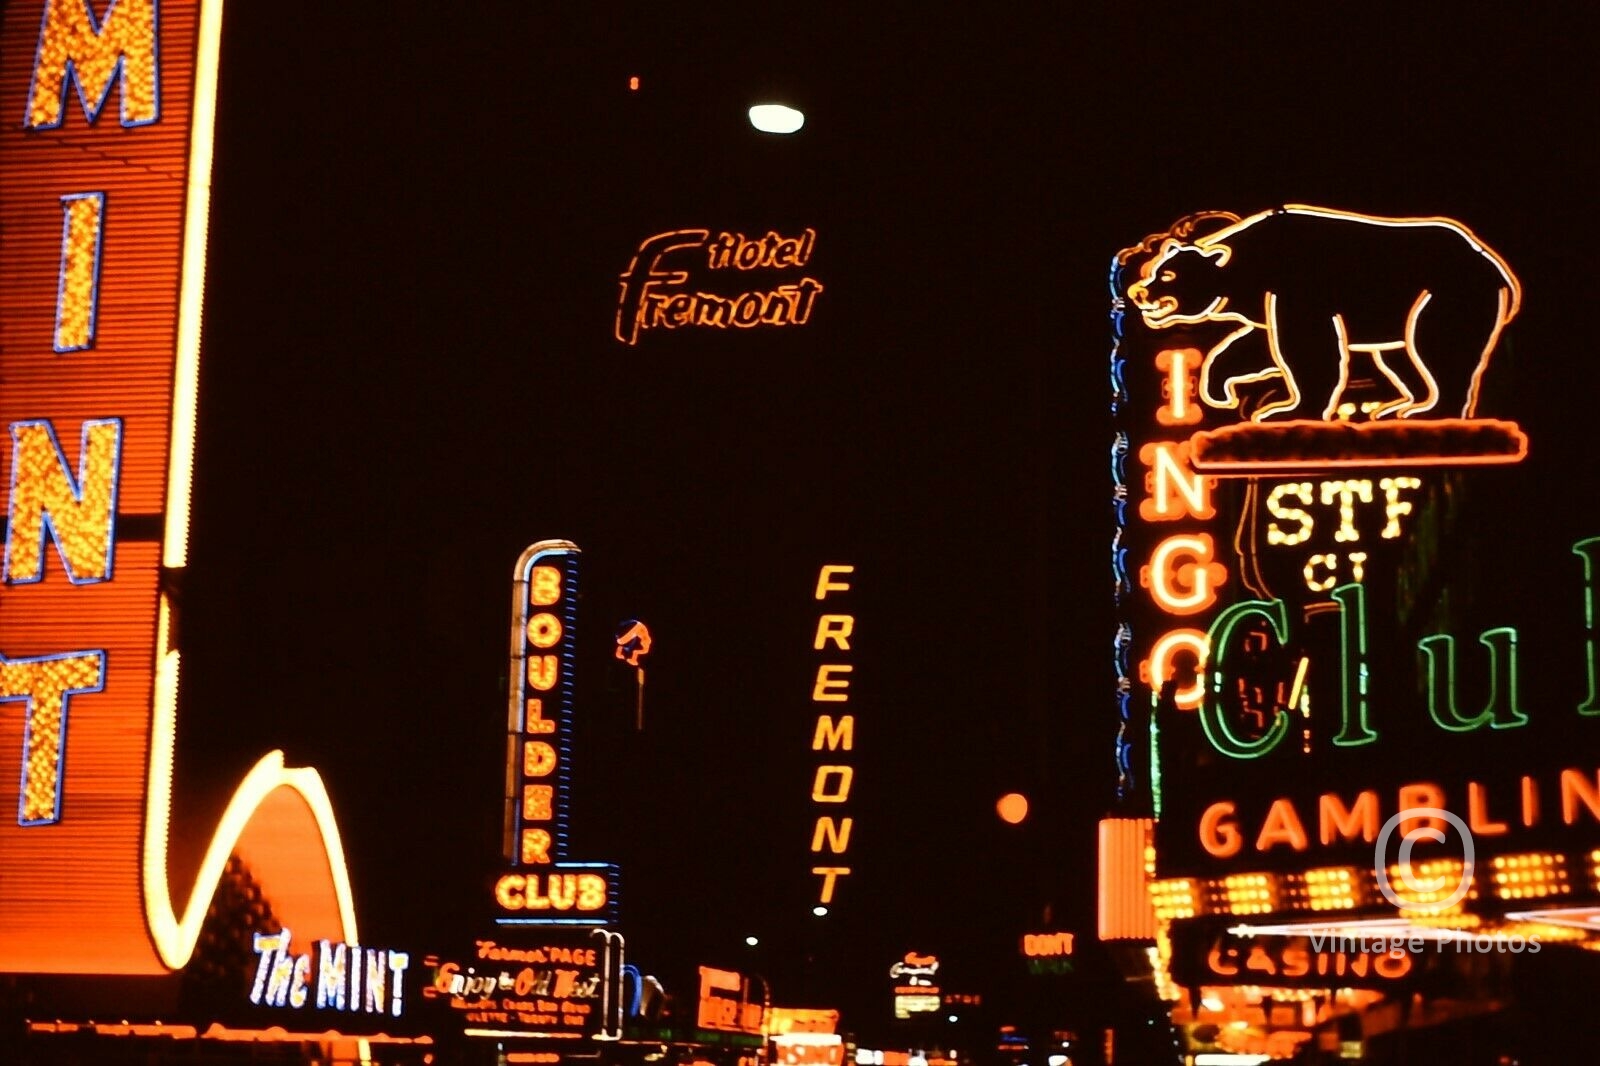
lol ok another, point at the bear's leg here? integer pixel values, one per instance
(1308, 348)
(1418, 392)
(1450, 337)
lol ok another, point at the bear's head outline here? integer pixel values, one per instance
(1182, 284)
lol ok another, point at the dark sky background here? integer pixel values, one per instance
(409, 375)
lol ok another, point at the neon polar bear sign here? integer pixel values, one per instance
(1421, 300)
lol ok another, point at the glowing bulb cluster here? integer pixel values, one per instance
(1332, 889)
(1175, 898)
(1530, 876)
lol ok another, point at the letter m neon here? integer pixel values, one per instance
(834, 736)
(93, 53)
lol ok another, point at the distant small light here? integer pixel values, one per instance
(950, 1018)
(776, 118)
(820, 911)
(1057, 1060)
(752, 940)
(1013, 807)
(633, 83)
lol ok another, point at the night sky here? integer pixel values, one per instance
(409, 374)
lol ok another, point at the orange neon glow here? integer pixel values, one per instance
(538, 758)
(1046, 945)
(835, 736)
(1157, 670)
(772, 252)
(544, 586)
(534, 847)
(834, 627)
(1012, 808)
(1292, 447)
(543, 671)
(544, 630)
(584, 893)
(1183, 587)
(782, 1020)
(534, 720)
(831, 689)
(1179, 364)
(1334, 888)
(538, 803)
(826, 582)
(837, 792)
(72, 49)
(785, 305)
(147, 381)
(1337, 822)
(1175, 489)
(79, 511)
(830, 876)
(834, 834)
(651, 297)
(1250, 893)
(80, 271)
(633, 644)
(1126, 853)
(342, 1045)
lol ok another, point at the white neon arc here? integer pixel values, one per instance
(175, 935)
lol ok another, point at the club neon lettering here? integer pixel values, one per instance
(585, 892)
(1269, 620)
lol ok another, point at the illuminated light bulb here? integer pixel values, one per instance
(776, 118)
(752, 941)
(820, 911)
(1013, 807)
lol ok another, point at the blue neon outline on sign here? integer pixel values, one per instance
(567, 655)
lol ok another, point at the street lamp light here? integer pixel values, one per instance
(776, 118)
(752, 941)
